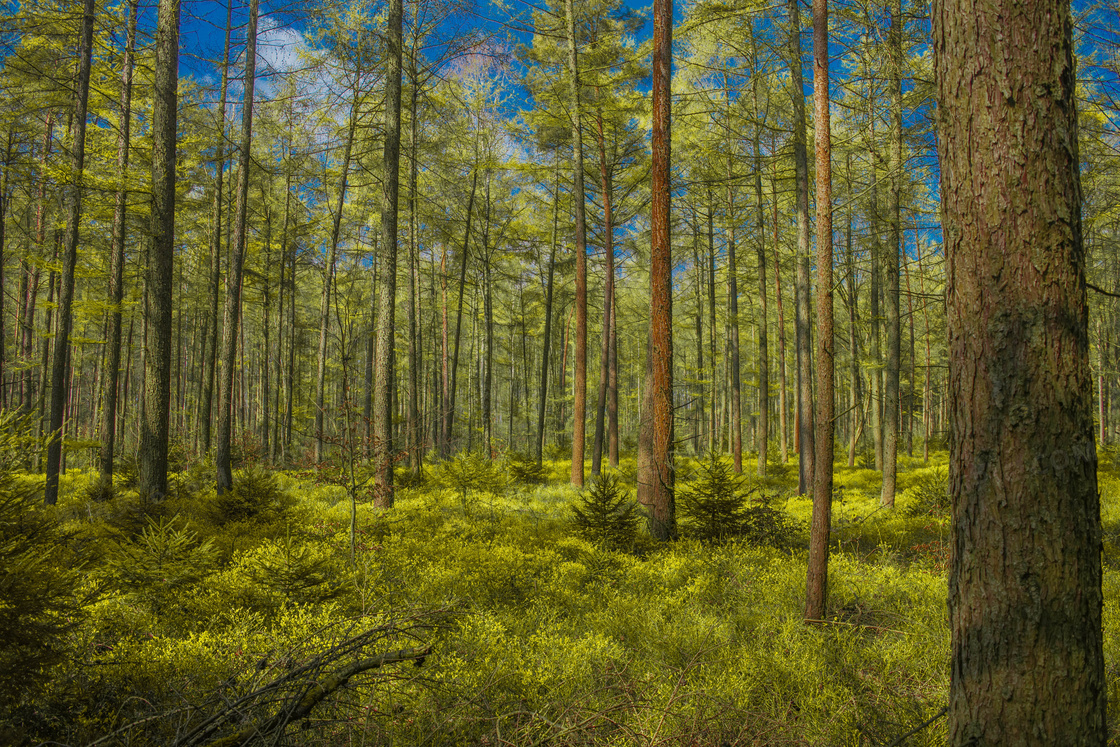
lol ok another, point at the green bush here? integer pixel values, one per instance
(290, 571)
(524, 469)
(471, 472)
(255, 495)
(713, 506)
(930, 493)
(38, 589)
(605, 513)
(159, 564)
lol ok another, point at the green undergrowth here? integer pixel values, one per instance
(542, 630)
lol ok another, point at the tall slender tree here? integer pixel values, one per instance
(223, 457)
(73, 198)
(385, 373)
(893, 255)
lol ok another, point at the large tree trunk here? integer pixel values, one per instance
(1025, 577)
(894, 252)
(655, 469)
(579, 421)
(801, 169)
(223, 462)
(116, 261)
(73, 197)
(385, 371)
(816, 596)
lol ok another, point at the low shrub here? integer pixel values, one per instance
(606, 514)
(523, 469)
(255, 495)
(713, 506)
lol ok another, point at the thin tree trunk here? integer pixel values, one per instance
(232, 313)
(801, 168)
(73, 196)
(894, 320)
(546, 346)
(763, 343)
(116, 262)
(385, 370)
(656, 470)
(733, 322)
(608, 297)
(487, 380)
(854, 384)
(415, 346)
(579, 422)
(927, 398)
(783, 387)
(816, 596)
(449, 411)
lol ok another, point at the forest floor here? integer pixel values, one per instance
(209, 615)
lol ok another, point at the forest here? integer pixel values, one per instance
(441, 372)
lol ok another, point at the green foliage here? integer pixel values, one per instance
(290, 571)
(524, 470)
(471, 472)
(930, 493)
(712, 506)
(256, 496)
(606, 514)
(38, 589)
(160, 564)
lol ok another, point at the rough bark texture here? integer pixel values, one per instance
(73, 196)
(893, 253)
(656, 473)
(231, 318)
(1025, 577)
(607, 178)
(579, 401)
(801, 168)
(385, 370)
(546, 347)
(763, 443)
(116, 261)
(816, 597)
(733, 337)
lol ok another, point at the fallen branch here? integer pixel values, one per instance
(916, 729)
(316, 692)
(854, 625)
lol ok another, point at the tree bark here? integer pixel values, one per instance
(607, 179)
(116, 261)
(1025, 593)
(894, 252)
(73, 196)
(816, 596)
(579, 405)
(385, 371)
(546, 345)
(223, 462)
(449, 410)
(655, 469)
(733, 325)
(801, 169)
(763, 322)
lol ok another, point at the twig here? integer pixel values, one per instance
(916, 729)
(855, 625)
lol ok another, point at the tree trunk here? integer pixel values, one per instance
(783, 407)
(449, 410)
(894, 252)
(816, 596)
(607, 179)
(223, 462)
(763, 347)
(385, 371)
(655, 469)
(1025, 578)
(801, 169)
(73, 196)
(854, 383)
(116, 262)
(733, 323)
(415, 328)
(546, 345)
(579, 405)
(488, 317)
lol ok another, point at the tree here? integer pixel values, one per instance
(894, 252)
(223, 458)
(655, 459)
(816, 595)
(387, 299)
(1025, 578)
(70, 257)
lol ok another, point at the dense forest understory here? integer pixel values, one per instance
(536, 628)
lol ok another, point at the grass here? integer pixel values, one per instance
(538, 635)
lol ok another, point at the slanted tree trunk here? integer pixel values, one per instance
(655, 468)
(579, 422)
(385, 372)
(816, 596)
(801, 169)
(116, 261)
(1025, 577)
(73, 196)
(223, 458)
